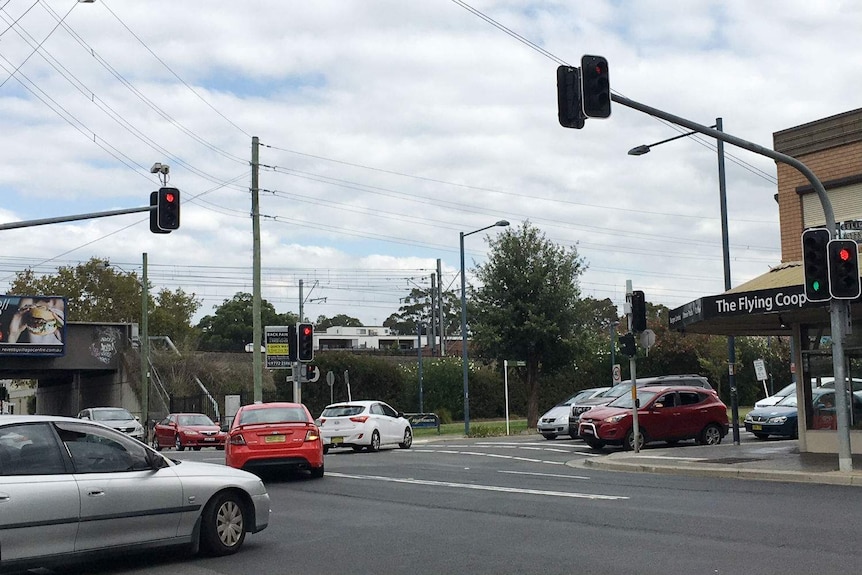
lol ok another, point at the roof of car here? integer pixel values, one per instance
(362, 402)
(271, 404)
(35, 418)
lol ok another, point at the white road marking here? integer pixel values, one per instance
(470, 486)
(544, 474)
(480, 454)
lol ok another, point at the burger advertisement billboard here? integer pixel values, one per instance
(32, 325)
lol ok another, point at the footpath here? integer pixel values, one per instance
(769, 460)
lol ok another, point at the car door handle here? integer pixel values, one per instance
(96, 492)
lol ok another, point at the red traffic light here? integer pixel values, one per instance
(169, 197)
(844, 254)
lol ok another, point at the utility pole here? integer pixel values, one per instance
(440, 309)
(297, 367)
(257, 360)
(433, 340)
(145, 350)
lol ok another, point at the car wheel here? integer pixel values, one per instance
(223, 525)
(375, 441)
(761, 435)
(595, 443)
(711, 435)
(629, 443)
(549, 436)
(317, 472)
(178, 444)
(408, 439)
(155, 443)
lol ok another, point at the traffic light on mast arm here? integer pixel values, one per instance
(595, 87)
(569, 109)
(168, 209)
(154, 215)
(844, 269)
(815, 264)
(305, 347)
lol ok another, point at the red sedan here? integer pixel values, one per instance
(274, 436)
(192, 430)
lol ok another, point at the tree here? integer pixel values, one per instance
(417, 308)
(97, 292)
(232, 325)
(340, 320)
(527, 305)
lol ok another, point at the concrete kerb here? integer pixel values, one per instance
(723, 471)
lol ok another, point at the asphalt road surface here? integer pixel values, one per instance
(523, 505)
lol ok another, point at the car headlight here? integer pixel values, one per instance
(778, 419)
(614, 419)
(191, 432)
(748, 418)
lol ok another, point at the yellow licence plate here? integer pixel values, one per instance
(756, 427)
(274, 439)
(337, 440)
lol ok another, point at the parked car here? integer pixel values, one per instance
(782, 419)
(773, 399)
(625, 387)
(277, 436)
(364, 425)
(118, 418)
(71, 489)
(555, 421)
(192, 430)
(666, 413)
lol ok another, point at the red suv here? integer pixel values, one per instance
(668, 414)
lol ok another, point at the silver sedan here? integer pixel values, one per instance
(70, 488)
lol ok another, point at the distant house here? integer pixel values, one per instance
(371, 338)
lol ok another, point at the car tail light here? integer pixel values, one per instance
(312, 435)
(321, 421)
(359, 419)
(237, 439)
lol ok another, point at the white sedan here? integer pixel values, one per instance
(71, 489)
(363, 425)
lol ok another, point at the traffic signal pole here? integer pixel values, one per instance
(839, 310)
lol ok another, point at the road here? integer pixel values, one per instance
(523, 505)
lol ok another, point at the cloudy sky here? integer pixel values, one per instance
(389, 126)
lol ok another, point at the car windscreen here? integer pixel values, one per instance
(118, 414)
(788, 401)
(625, 401)
(195, 419)
(273, 415)
(342, 410)
(618, 390)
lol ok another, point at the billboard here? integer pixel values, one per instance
(32, 325)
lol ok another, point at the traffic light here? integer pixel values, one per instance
(305, 348)
(168, 209)
(815, 264)
(569, 108)
(595, 87)
(312, 373)
(638, 311)
(844, 269)
(627, 345)
(154, 215)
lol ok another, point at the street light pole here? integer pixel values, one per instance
(501, 223)
(725, 250)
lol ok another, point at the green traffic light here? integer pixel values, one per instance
(816, 285)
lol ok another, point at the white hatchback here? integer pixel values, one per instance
(363, 425)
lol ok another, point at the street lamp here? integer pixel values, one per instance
(725, 247)
(501, 223)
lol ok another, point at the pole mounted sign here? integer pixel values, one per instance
(279, 342)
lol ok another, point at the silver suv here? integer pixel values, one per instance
(625, 387)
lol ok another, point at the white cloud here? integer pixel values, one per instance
(388, 127)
